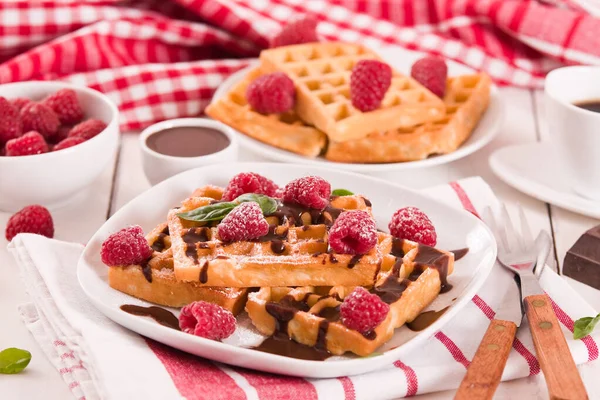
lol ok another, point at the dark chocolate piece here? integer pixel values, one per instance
(582, 261)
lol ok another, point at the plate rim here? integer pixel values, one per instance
(363, 364)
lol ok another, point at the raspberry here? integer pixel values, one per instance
(369, 81)
(68, 142)
(363, 311)
(431, 72)
(20, 102)
(249, 182)
(354, 232)
(29, 144)
(302, 30)
(39, 117)
(272, 93)
(244, 222)
(88, 129)
(61, 134)
(207, 320)
(126, 247)
(10, 122)
(31, 219)
(412, 224)
(65, 105)
(309, 191)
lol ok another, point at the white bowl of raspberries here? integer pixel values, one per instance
(55, 139)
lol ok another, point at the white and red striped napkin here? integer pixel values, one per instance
(99, 359)
(161, 59)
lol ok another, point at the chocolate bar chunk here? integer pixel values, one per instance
(582, 261)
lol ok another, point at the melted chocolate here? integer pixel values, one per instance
(398, 247)
(460, 253)
(284, 311)
(277, 246)
(331, 314)
(147, 271)
(367, 202)
(191, 238)
(425, 319)
(371, 335)
(354, 260)
(433, 258)
(332, 259)
(282, 345)
(391, 290)
(160, 315)
(187, 141)
(294, 212)
(321, 343)
(159, 243)
(204, 273)
(276, 239)
(589, 105)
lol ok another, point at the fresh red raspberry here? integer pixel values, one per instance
(309, 191)
(302, 30)
(412, 224)
(10, 121)
(88, 129)
(353, 232)
(244, 222)
(29, 144)
(369, 81)
(431, 72)
(363, 311)
(65, 105)
(272, 93)
(249, 182)
(207, 320)
(20, 102)
(39, 117)
(61, 134)
(126, 247)
(31, 219)
(68, 142)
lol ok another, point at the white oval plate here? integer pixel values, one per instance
(401, 59)
(456, 229)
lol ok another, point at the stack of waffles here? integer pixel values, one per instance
(410, 124)
(289, 281)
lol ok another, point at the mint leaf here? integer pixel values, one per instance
(266, 203)
(585, 326)
(13, 360)
(342, 192)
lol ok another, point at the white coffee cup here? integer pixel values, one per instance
(158, 166)
(574, 131)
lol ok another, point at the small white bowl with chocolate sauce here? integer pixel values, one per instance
(176, 145)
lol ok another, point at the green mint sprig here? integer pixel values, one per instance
(218, 211)
(341, 192)
(585, 326)
(13, 360)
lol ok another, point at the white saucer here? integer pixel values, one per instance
(534, 170)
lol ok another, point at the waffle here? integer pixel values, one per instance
(321, 73)
(155, 281)
(285, 131)
(294, 253)
(411, 277)
(466, 99)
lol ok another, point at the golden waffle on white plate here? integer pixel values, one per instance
(466, 99)
(294, 253)
(321, 74)
(411, 277)
(285, 131)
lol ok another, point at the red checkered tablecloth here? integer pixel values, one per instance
(163, 59)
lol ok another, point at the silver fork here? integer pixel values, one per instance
(517, 252)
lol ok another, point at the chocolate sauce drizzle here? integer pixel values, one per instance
(147, 270)
(160, 315)
(293, 213)
(354, 260)
(191, 238)
(460, 253)
(159, 243)
(281, 344)
(204, 273)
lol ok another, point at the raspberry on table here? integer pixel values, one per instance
(432, 73)
(126, 247)
(68, 142)
(207, 320)
(29, 144)
(10, 121)
(309, 191)
(31, 219)
(302, 30)
(413, 224)
(271, 93)
(66, 106)
(39, 117)
(353, 232)
(369, 81)
(244, 222)
(249, 182)
(88, 129)
(363, 311)
(20, 102)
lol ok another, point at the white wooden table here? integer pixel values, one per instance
(124, 179)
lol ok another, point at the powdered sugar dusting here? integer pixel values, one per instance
(244, 222)
(308, 191)
(354, 232)
(413, 224)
